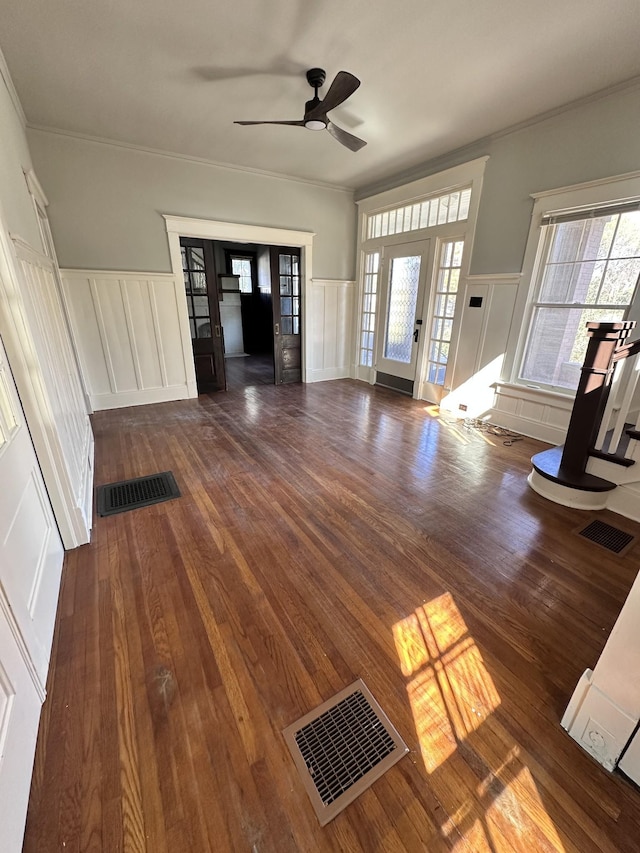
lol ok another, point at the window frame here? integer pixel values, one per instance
(618, 189)
(232, 254)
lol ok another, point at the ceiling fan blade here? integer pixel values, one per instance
(292, 123)
(343, 86)
(348, 139)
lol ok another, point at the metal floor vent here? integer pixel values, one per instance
(607, 536)
(342, 747)
(132, 494)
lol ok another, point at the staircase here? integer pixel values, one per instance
(596, 467)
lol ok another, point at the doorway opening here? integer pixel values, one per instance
(244, 308)
(290, 262)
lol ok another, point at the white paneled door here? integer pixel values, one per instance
(30, 565)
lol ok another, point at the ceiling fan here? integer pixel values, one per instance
(315, 111)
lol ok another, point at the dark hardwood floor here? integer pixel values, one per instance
(325, 532)
(249, 371)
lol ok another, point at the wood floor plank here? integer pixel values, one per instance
(325, 532)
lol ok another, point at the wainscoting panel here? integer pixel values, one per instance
(533, 412)
(487, 304)
(329, 329)
(128, 334)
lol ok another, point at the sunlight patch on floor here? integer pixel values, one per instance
(452, 696)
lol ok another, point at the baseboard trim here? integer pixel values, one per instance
(325, 373)
(140, 398)
(527, 426)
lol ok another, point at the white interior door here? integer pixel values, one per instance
(402, 286)
(30, 565)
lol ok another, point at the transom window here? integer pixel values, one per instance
(444, 307)
(588, 272)
(438, 210)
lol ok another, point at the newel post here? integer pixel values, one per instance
(592, 393)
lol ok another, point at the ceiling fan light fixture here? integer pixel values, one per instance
(315, 124)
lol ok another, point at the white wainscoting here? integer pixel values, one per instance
(481, 342)
(129, 335)
(329, 329)
(533, 412)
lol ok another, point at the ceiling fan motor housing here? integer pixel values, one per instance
(316, 77)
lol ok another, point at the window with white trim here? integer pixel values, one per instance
(368, 318)
(588, 271)
(437, 210)
(444, 307)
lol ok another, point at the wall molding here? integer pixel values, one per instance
(11, 89)
(142, 397)
(188, 158)
(496, 278)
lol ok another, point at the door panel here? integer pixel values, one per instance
(198, 267)
(286, 289)
(30, 565)
(30, 547)
(404, 272)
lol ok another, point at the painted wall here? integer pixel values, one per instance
(106, 204)
(588, 142)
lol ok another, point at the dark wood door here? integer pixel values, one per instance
(287, 314)
(201, 285)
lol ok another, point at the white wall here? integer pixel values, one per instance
(106, 203)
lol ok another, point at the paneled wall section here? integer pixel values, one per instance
(329, 329)
(130, 337)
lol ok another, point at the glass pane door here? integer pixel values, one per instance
(402, 283)
(403, 294)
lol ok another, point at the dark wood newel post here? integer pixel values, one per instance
(592, 393)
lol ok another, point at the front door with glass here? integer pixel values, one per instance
(404, 271)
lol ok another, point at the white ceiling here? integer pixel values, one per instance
(435, 75)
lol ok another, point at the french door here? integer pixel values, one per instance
(200, 281)
(402, 291)
(287, 314)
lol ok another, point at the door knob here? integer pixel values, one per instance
(416, 335)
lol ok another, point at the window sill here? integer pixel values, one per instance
(535, 392)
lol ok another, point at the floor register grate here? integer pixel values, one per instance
(132, 494)
(607, 536)
(342, 747)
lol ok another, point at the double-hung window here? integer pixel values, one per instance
(588, 270)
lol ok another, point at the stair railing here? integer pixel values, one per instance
(607, 346)
(622, 402)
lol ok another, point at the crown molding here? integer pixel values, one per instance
(158, 152)
(11, 89)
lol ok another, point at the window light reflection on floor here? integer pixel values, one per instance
(452, 696)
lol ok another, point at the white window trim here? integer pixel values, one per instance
(556, 201)
(467, 174)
